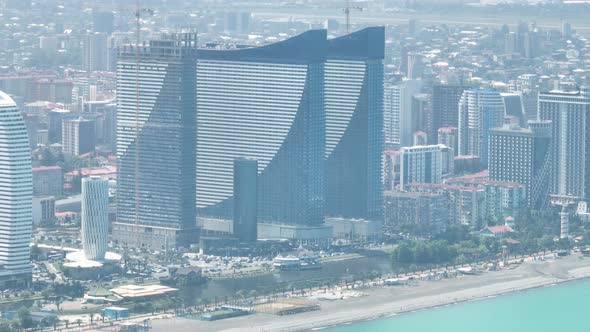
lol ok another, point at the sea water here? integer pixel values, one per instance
(559, 308)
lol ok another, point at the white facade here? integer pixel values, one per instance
(421, 164)
(397, 112)
(95, 217)
(479, 111)
(16, 191)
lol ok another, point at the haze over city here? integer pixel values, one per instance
(347, 165)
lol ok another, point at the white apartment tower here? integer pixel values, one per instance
(95, 217)
(16, 197)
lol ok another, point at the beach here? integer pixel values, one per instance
(381, 301)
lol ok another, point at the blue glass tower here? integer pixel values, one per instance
(354, 124)
(264, 103)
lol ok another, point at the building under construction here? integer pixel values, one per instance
(156, 133)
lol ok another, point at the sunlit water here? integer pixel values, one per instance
(562, 307)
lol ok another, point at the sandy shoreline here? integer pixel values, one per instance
(379, 302)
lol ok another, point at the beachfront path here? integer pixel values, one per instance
(383, 301)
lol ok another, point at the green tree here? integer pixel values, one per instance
(24, 317)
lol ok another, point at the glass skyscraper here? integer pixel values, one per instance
(309, 110)
(354, 124)
(267, 104)
(16, 188)
(156, 132)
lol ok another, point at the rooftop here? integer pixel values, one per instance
(137, 291)
(5, 100)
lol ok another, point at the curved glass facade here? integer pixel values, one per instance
(16, 193)
(266, 104)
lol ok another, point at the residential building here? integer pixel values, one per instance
(449, 136)
(467, 205)
(245, 215)
(569, 113)
(445, 105)
(16, 219)
(421, 164)
(354, 124)
(266, 103)
(94, 51)
(429, 211)
(479, 111)
(397, 112)
(43, 209)
(156, 146)
(95, 217)
(524, 155)
(47, 181)
(78, 136)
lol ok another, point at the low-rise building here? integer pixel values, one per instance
(427, 209)
(47, 181)
(467, 205)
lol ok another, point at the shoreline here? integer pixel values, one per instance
(441, 305)
(379, 302)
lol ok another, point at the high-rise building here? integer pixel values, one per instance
(449, 136)
(513, 104)
(569, 112)
(78, 136)
(103, 22)
(354, 124)
(94, 51)
(445, 105)
(524, 156)
(528, 87)
(47, 181)
(156, 134)
(16, 219)
(479, 111)
(245, 199)
(397, 112)
(422, 116)
(421, 164)
(95, 217)
(265, 103)
(55, 119)
(294, 99)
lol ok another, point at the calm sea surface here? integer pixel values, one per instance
(565, 307)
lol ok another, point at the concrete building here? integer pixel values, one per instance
(421, 164)
(353, 95)
(94, 51)
(16, 220)
(503, 199)
(479, 111)
(245, 219)
(356, 230)
(467, 205)
(428, 211)
(445, 105)
(156, 151)
(569, 113)
(47, 181)
(397, 112)
(524, 156)
(95, 217)
(449, 136)
(43, 209)
(78, 136)
(55, 122)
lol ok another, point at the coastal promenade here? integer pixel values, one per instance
(370, 302)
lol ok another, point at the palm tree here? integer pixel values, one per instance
(91, 318)
(79, 322)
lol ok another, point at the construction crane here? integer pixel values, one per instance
(138, 13)
(347, 10)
